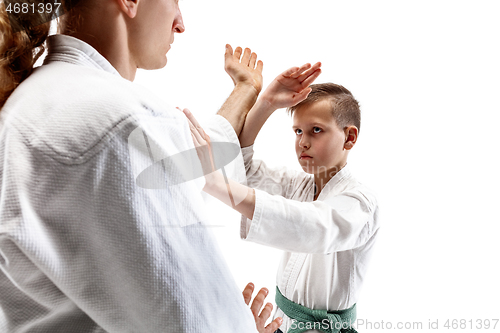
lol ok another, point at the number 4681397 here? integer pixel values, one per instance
(471, 324)
(25, 8)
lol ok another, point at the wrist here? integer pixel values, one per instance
(211, 181)
(247, 87)
(264, 105)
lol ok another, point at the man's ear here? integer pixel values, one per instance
(351, 136)
(129, 7)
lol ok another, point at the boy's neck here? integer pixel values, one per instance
(321, 179)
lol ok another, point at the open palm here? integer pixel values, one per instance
(243, 67)
(291, 87)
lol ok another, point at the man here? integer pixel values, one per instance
(83, 247)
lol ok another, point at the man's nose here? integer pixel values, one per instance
(179, 23)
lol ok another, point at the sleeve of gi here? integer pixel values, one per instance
(223, 136)
(339, 223)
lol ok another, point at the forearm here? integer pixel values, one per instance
(340, 223)
(255, 119)
(237, 105)
(235, 195)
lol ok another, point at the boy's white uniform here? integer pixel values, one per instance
(83, 248)
(328, 242)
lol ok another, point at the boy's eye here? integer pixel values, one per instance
(298, 131)
(316, 129)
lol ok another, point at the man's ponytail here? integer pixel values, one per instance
(18, 53)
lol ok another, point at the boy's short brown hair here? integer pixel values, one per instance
(345, 108)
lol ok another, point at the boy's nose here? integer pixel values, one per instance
(304, 143)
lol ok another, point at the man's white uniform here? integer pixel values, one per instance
(327, 242)
(83, 248)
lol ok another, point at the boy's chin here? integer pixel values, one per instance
(317, 169)
(308, 169)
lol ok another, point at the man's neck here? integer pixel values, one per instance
(111, 42)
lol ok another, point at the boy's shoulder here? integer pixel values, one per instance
(350, 186)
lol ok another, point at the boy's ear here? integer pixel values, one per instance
(129, 7)
(351, 136)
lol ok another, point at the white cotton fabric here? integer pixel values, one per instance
(82, 247)
(327, 242)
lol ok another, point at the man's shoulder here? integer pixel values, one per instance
(72, 111)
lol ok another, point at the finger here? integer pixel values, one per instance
(301, 96)
(310, 71)
(266, 312)
(290, 71)
(237, 53)
(311, 78)
(260, 66)
(193, 131)
(247, 293)
(258, 301)
(197, 139)
(300, 70)
(191, 117)
(228, 54)
(253, 59)
(274, 325)
(246, 56)
(194, 123)
(229, 50)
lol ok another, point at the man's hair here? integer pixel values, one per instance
(345, 108)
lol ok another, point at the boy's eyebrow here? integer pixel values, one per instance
(315, 124)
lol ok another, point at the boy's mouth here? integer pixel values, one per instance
(304, 156)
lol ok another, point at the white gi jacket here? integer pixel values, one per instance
(327, 242)
(82, 247)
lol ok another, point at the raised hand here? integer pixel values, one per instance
(201, 142)
(243, 67)
(291, 87)
(261, 318)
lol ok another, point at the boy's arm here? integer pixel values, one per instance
(246, 74)
(287, 89)
(341, 223)
(344, 222)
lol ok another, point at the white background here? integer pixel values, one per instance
(426, 75)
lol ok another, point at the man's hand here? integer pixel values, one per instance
(260, 319)
(291, 87)
(246, 73)
(243, 69)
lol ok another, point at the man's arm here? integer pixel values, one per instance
(246, 73)
(287, 89)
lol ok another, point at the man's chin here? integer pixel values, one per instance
(156, 65)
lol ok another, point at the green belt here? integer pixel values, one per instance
(336, 321)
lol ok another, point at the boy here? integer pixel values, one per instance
(328, 237)
(327, 243)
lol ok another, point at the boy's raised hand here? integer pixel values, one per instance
(291, 87)
(243, 67)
